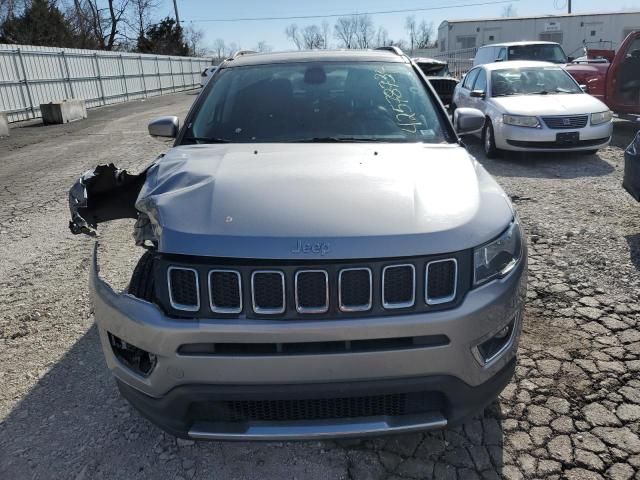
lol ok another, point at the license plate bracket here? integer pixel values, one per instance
(568, 138)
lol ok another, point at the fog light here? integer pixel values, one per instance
(490, 349)
(138, 360)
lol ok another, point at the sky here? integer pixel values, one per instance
(247, 34)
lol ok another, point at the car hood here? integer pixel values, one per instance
(305, 201)
(554, 104)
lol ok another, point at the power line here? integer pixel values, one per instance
(333, 15)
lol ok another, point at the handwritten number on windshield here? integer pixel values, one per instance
(405, 116)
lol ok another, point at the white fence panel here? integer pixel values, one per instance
(460, 61)
(31, 75)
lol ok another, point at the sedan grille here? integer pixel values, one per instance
(285, 290)
(566, 122)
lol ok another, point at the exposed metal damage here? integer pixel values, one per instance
(108, 193)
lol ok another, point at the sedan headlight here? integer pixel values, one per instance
(499, 257)
(601, 117)
(521, 121)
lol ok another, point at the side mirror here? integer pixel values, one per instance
(468, 120)
(478, 93)
(570, 59)
(164, 127)
(584, 88)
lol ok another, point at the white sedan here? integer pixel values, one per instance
(534, 106)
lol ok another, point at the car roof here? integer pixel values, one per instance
(314, 56)
(434, 61)
(517, 64)
(512, 44)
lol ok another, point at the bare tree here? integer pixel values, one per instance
(345, 31)
(382, 37)
(325, 33)
(219, 48)
(293, 33)
(141, 11)
(263, 46)
(425, 35)
(104, 21)
(10, 8)
(509, 11)
(193, 39)
(411, 27)
(364, 31)
(312, 37)
(420, 34)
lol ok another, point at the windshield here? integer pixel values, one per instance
(316, 102)
(542, 52)
(531, 81)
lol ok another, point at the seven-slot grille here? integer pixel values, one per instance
(566, 122)
(334, 290)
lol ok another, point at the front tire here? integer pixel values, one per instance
(489, 140)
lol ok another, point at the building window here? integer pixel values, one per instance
(593, 33)
(551, 37)
(467, 41)
(491, 38)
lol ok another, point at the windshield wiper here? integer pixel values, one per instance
(336, 139)
(207, 139)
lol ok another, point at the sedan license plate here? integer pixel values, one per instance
(568, 138)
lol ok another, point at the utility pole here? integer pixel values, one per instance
(568, 4)
(175, 7)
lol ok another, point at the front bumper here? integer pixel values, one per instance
(509, 137)
(452, 369)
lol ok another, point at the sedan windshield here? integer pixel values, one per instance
(532, 81)
(316, 102)
(543, 52)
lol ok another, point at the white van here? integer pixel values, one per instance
(502, 52)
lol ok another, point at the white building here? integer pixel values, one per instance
(572, 31)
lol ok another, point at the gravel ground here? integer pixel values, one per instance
(572, 410)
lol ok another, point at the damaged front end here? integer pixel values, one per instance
(108, 193)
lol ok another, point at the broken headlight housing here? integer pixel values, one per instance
(498, 257)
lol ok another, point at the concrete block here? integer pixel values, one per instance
(63, 112)
(4, 125)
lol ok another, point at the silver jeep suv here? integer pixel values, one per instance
(324, 257)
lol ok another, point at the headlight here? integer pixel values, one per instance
(521, 121)
(499, 257)
(601, 117)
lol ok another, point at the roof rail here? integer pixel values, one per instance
(392, 49)
(240, 53)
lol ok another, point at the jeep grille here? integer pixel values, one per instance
(324, 289)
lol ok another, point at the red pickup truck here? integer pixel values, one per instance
(613, 77)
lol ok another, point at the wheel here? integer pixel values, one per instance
(489, 141)
(142, 281)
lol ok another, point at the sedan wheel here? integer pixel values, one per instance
(488, 140)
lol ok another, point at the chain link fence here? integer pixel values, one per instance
(32, 75)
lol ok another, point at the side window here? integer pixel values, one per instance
(470, 78)
(502, 55)
(481, 81)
